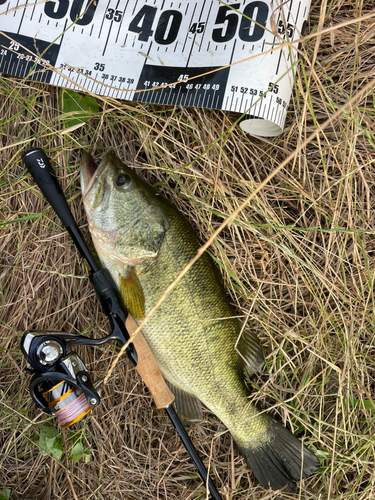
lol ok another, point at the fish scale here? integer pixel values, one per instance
(193, 333)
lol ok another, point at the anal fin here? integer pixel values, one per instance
(132, 294)
(250, 353)
(188, 407)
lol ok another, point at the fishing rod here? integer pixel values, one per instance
(61, 385)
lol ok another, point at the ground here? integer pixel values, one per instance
(297, 263)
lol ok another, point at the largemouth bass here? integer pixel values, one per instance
(145, 242)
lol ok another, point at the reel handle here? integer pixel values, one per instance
(148, 369)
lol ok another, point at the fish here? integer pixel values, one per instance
(200, 345)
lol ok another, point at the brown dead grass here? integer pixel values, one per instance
(298, 263)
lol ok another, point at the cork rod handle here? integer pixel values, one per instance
(148, 368)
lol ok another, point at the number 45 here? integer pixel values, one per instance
(197, 28)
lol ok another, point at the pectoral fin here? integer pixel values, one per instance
(188, 407)
(132, 294)
(250, 353)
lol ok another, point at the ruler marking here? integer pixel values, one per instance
(16, 10)
(290, 10)
(17, 66)
(231, 102)
(123, 17)
(243, 110)
(135, 6)
(274, 37)
(204, 98)
(269, 107)
(287, 20)
(23, 14)
(109, 31)
(191, 19)
(178, 95)
(281, 115)
(279, 62)
(234, 46)
(32, 13)
(273, 110)
(217, 102)
(242, 98)
(195, 34)
(103, 21)
(205, 31)
(297, 16)
(290, 51)
(10, 58)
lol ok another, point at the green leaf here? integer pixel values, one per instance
(87, 454)
(78, 451)
(4, 494)
(50, 441)
(77, 108)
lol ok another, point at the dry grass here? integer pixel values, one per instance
(298, 262)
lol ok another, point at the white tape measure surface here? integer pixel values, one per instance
(216, 55)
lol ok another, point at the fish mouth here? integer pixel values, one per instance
(90, 171)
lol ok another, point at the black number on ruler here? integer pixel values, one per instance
(226, 15)
(255, 24)
(166, 30)
(142, 23)
(168, 26)
(99, 66)
(251, 28)
(116, 15)
(197, 28)
(58, 9)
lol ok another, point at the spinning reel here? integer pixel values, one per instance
(60, 385)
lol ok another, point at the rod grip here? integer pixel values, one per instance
(148, 368)
(37, 163)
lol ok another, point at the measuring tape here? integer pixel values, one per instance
(205, 54)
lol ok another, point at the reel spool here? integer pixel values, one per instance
(60, 384)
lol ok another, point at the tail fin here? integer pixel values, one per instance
(277, 461)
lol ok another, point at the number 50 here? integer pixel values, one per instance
(253, 21)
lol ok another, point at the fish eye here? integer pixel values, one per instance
(123, 180)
